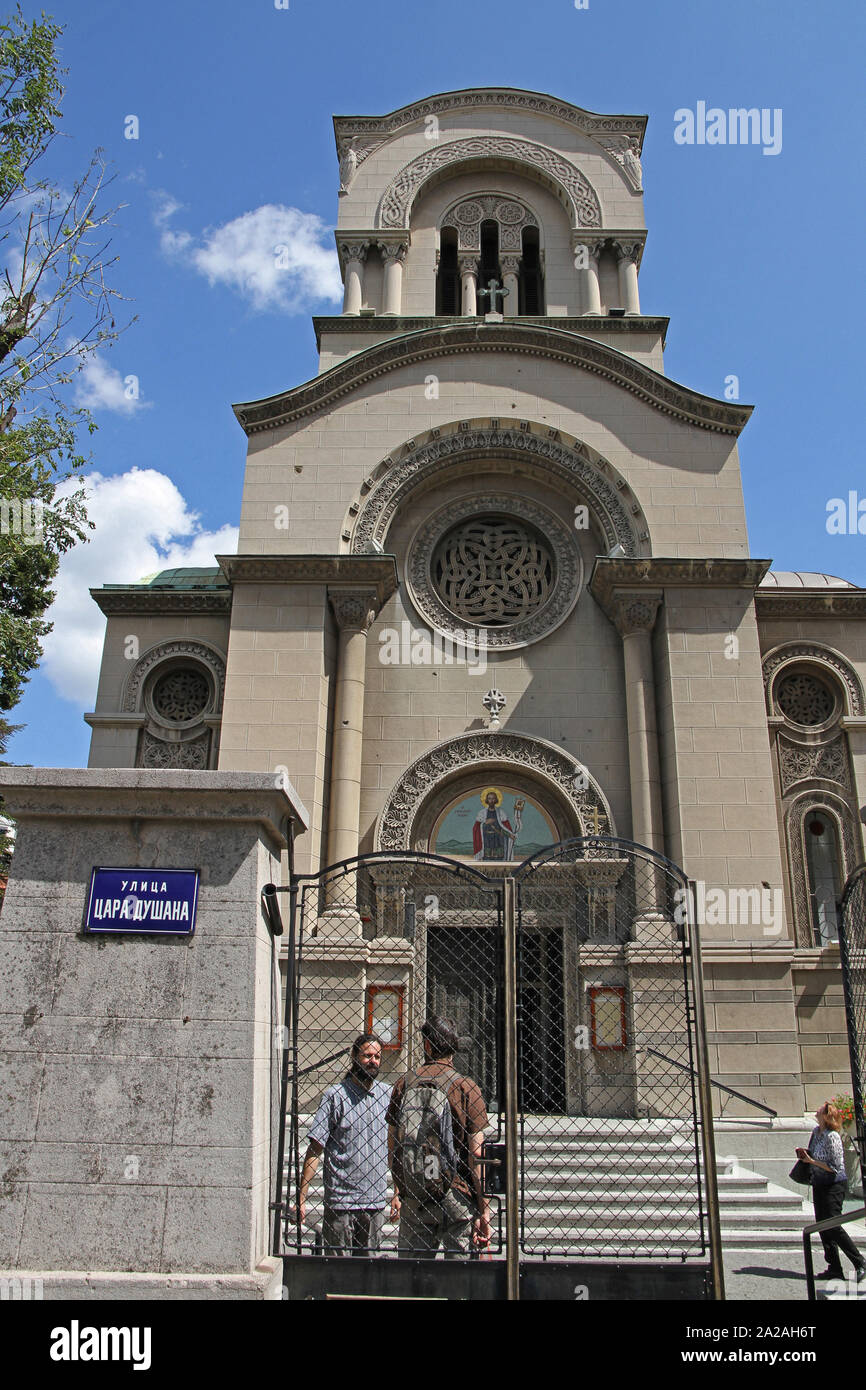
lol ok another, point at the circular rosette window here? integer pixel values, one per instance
(511, 571)
(179, 696)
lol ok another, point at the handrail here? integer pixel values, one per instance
(828, 1224)
(304, 1071)
(719, 1085)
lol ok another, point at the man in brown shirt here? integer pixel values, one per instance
(461, 1218)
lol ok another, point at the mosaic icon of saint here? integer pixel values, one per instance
(493, 836)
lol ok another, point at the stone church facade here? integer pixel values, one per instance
(493, 587)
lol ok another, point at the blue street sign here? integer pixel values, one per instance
(142, 901)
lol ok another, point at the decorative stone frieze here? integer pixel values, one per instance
(581, 200)
(504, 752)
(801, 762)
(191, 754)
(511, 214)
(569, 462)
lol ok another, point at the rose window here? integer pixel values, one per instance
(804, 699)
(180, 695)
(493, 571)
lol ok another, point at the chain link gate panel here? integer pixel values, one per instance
(610, 1125)
(381, 944)
(567, 983)
(852, 947)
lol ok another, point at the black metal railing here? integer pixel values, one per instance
(815, 1227)
(718, 1085)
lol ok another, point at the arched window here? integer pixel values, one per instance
(448, 276)
(824, 875)
(531, 283)
(489, 264)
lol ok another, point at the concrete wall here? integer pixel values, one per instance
(140, 1074)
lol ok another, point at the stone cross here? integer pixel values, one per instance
(493, 289)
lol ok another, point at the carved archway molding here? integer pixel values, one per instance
(512, 214)
(496, 754)
(537, 161)
(832, 661)
(197, 652)
(581, 469)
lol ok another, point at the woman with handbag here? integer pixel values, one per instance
(826, 1160)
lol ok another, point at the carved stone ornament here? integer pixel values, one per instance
(800, 762)
(571, 466)
(501, 755)
(354, 251)
(348, 166)
(354, 609)
(194, 754)
(521, 566)
(824, 658)
(574, 189)
(625, 150)
(511, 215)
(628, 250)
(394, 250)
(635, 613)
(197, 652)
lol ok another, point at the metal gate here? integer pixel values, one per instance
(570, 982)
(852, 947)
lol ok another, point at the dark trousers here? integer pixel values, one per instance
(828, 1202)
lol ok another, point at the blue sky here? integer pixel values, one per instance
(755, 258)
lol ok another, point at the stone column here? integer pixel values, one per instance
(587, 251)
(628, 255)
(354, 255)
(469, 282)
(354, 610)
(634, 616)
(393, 257)
(141, 1073)
(510, 279)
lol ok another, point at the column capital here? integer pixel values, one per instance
(354, 250)
(628, 251)
(393, 250)
(594, 242)
(510, 265)
(468, 262)
(635, 611)
(354, 609)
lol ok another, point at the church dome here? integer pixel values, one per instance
(803, 579)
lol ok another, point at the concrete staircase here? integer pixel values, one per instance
(628, 1187)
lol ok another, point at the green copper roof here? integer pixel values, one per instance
(209, 578)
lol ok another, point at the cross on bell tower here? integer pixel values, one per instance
(493, 289)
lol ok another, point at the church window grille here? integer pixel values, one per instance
(804, 699)
(493, 570)
(181, 695)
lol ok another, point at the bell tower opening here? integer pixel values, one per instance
(531, 282)
(448, 276)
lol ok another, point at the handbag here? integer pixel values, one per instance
(802, 1172)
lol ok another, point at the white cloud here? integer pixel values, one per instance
(143, 524)
(276, 257)
(101, 387)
